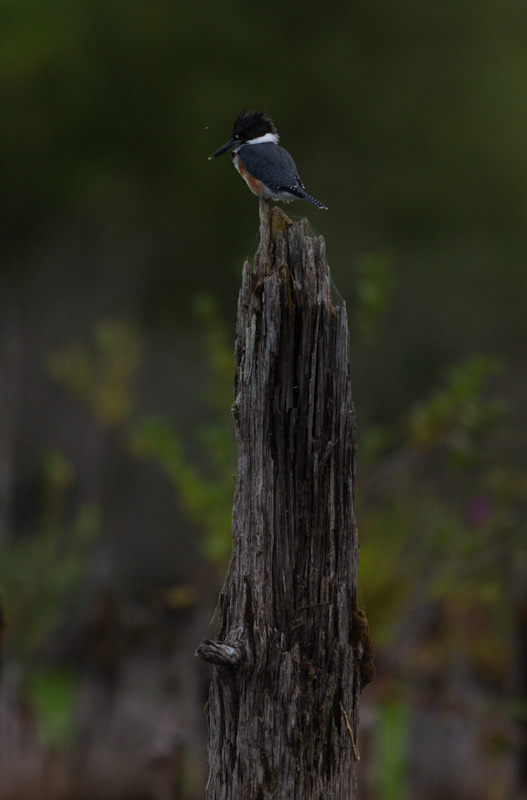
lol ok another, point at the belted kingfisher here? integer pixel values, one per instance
(268, 170)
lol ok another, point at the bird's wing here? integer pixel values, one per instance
(272, 165)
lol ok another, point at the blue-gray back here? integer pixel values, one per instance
(271, 164)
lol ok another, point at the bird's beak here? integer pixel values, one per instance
(225, 148)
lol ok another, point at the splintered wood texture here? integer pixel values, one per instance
(280, 722)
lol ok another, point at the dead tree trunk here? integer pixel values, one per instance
(284, 696)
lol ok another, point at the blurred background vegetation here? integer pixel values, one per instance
(121, 254)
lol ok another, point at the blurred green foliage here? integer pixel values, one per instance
(432, 506)
(100, 372)
(439, 520)
(373, 290)
(53, 695)
(207, 501)
(393, 750)
(40, 569)
(431, 495)
(460, 414)
(206, 492)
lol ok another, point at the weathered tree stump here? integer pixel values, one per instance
(292, 647)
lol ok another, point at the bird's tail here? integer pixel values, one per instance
(314, 201)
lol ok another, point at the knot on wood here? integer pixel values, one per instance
(363, 646)
(230, 653)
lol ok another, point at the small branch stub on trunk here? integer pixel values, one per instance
(231, 653)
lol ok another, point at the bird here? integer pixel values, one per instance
(268, 170)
